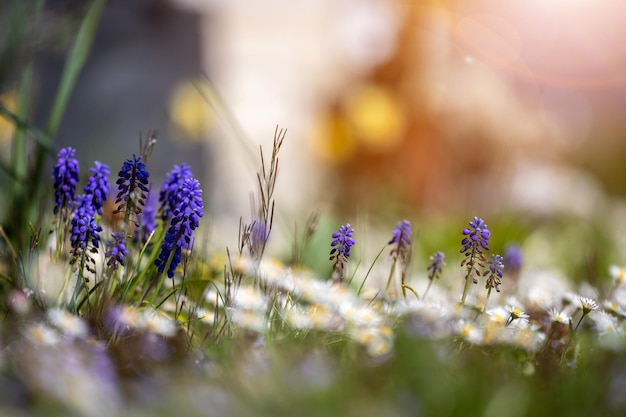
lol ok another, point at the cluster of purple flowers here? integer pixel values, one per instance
(340, 252)
(65, 175)
(132, 186)
(185, 218)
(85, 231)
(180, 201)
(475, 241)
(477, 237)
(117, 250)
(85, 237)
(496, 266)
(98, 185)
(402, 240)
(342, 243)
(437, 262)
(168, 196)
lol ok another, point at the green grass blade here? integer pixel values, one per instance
(74, 64)
(75, 61)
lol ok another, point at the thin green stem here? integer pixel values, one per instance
(579, 321)
(403, 284)
(391, 274)
(370, 270)
(468, 277)
(430, 282)
(467, 284)
(80, 284)
(487, 299)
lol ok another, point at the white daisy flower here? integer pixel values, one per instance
(67, 323)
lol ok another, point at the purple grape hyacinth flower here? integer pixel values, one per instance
(475, 241)
(117, 250)
(132, 185)
(84, 227)
(168, 196)
(436, 264)
(402, 233)
(513, 257)
(85, 231)
(342, 243)
(402, 239)
(340, 251)
(184, 221)
(496, 266)
(98, 185)
(65, 175)
(477, 237)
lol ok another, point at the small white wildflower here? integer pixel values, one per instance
(604, 323)
(250, 298)
(42, 334)
(378, 341)
(128, 317)
(468, 331)
(299, 318)
(69, 324)
(618, 273)
(158, 323)
(529, 338)
(498, 314)
(558, 316)
(249, 319)
(587, 305)
(360, 315)
(516, 313)
(614, 308)
(205, 316)
(324, 319)
(541, 289)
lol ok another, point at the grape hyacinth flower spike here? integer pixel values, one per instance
(65, 175)
(85, 240)
(117, 250)
(476, 240)
(184, 221)
(513, 258)
(168, 196)
(132, 187)
(513, 261)
(340, 251)
(85, 236)
(495, 270)
(98, 185)
(402, 249)
(402, 239)
(496, 266)
(437, 262)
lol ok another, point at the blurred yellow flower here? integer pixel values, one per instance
(377, 117)
(10, 101)
(190, 111)
(333, 140)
